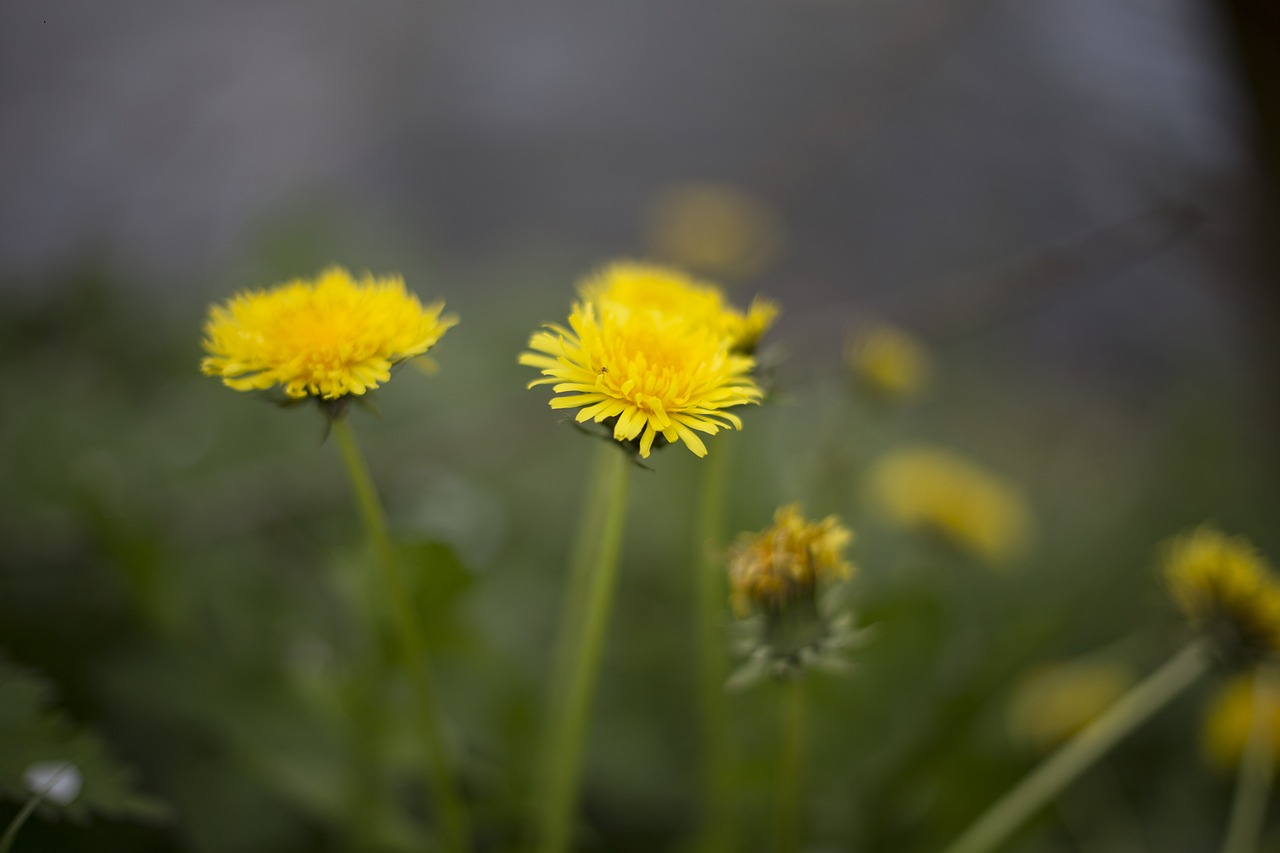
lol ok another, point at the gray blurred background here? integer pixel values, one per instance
(1083, 168)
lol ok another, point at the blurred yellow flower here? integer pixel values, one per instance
(889, 362)
(1226, 591)
(1054, 702)
(650, 374)
(786, 561)
(630, 286)
(1230, 717)
(714, 228)
(326, 338)
(935, 491)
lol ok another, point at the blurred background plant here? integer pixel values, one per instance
(1068, 204)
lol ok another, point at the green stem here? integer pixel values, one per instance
(586, 542)
(567, 737)
(790, 766)
(1253, 784)
(1075, 756)
(452, 813)
(713, 669)
(6, 843)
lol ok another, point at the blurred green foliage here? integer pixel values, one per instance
(184, 566)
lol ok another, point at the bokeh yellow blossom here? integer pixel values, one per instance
(1226, 591)
(647, 373)
(328, 338)
(1230, 718)
(713, 228)
(1056, 701)
(630, 286)
(888, 362)
(787, 561)
(938, 492)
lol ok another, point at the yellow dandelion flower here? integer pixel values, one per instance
(1225, 590)
(938, 492)
(628, 286)
(1230, 717)
(326, 338)
(718, 229)
(889, 362)
(645, 373)
(786, 561)
(1054, 702)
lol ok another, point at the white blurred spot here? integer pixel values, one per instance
(58, 781)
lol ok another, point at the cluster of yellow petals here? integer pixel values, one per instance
(326, 338)
(787, 560)
(631, 286)
(1225, 589)
(889, 362)
(1230, 719)
(938, 492)
(654, 375)
(1056, 701)
(653, 353)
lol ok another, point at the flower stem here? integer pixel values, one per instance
(567, 737)
(790, 766)
(1253, 784)
(452, 813)
(1075, 756)
(713, 666)
(6, 843)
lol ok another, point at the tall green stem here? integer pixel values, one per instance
(453, 818)
(568, 733)
(791, 765)
(6, 843)
(1075, 756)
(713, 665)
(1253, 784)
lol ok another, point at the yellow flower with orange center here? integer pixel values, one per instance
(648, 373)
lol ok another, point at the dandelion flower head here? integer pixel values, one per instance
(326, 338)
(629, 287)
(713, 227)
(1230, 717)
(1226, 591)
(937, 492)
(889, 362)
(786, 561)
(647, 373)
(1054, 702)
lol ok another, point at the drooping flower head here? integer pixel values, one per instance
(328, 338)
(1056, 701)
(888, 362)
(787, 560)
(647, 373)
(1226, 591)
(939, 493)
(1230, 719)
(632, 287)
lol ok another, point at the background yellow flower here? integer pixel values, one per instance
(1226, 590)
(938, 492)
